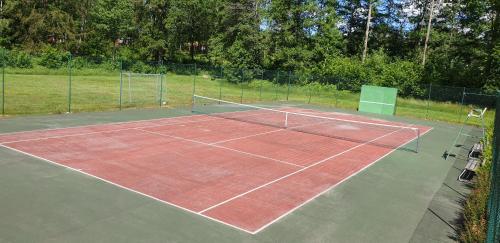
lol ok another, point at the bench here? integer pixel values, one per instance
(473, 163)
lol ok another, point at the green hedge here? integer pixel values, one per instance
(475, 222)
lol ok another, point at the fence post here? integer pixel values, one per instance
(161, 89)
(194, 85)
(461, 105)
(241, 84)
(260, 90)
(493, 208)
(428, 102)
(336, 94)
(69, 82)
(121, 83)
(3, 83)
(261, 83)
(310, 92)
(164, 70)
(288, 88)
(276, 85)
(221, 76)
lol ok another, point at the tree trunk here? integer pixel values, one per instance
(367, 32)
(429, 24)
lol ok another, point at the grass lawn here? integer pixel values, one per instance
(95, 90)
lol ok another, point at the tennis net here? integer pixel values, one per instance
(375, 133)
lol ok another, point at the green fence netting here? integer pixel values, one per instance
(2, 81)
(83, 84)
(494, 198)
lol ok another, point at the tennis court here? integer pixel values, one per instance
(243, 166)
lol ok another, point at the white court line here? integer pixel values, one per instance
(273, 131)
(295, 172)
(313, 116)
(249, 136)
(126, 188)
(100, 124)
(378, 103)
(213, 118)
(332, 186)
(335, 115)
(104, 131)
(188, 210)
(174, 205)
(221, 147)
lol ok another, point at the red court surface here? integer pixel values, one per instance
(244, 175)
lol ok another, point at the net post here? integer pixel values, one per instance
(286, 119)
(418, 140)
(121, 83)
(192, 103)
(69, 82)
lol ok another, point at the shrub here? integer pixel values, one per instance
(236, 75)
(53, 58)
(349, 73)
(141, 67)
(475, 222)
(378, 69)
(255, 84)
(80, 62)
(403, 75)
(23, 60)
(3, 57)
(16, 58)
(110, 65)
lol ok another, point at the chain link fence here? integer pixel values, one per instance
(493, 234)
(97, 84)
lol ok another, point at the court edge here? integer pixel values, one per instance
(197, 213)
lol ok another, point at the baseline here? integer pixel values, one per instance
(293, 173)
(126, 188)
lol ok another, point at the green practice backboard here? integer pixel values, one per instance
(379, 100)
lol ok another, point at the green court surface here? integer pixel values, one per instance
(403, 197)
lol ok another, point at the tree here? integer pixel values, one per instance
(190, 22)
(429, 24)
(288, 34)
(327, 38)
(367, 32)
(112, 24)
(150, 39)
(237, 41)
(37, 23)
